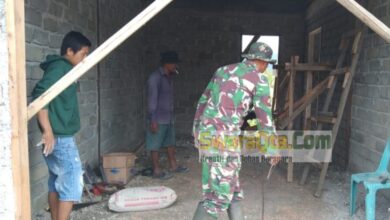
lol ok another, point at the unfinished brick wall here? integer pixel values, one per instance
(121, 80)
(206, 41)
(334, 21)
(371, 98)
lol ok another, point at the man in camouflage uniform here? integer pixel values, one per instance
(220, 112)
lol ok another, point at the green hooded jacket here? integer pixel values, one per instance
(63, 110)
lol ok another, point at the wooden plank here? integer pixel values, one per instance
(18, 103)
(339, 71)
(275, 96)
(343, 100)
(291, 89)
(344, 44)
(324, 119)
(331, 81)
(309, 75)
(310, 67)
(367, 18)
(102, 51)
(355, 45)
(346, 78)
(284, 81)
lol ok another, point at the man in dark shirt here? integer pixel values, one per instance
(161, 131)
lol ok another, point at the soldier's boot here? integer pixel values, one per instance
(201, 214)
(235, 211)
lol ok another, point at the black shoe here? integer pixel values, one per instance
(201, 214)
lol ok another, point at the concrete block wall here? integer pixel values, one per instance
(7, 202)
(371, 98)
(206, 41)
(121, 80)
(334, 21)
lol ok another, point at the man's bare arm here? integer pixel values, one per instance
(47, 132)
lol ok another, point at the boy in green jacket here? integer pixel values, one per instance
(59, 121)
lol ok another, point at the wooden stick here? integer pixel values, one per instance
(15, 28)
(284, 81)
(346, 78)
(275, 97)
(367, 18)
(331, 80)
(310, 67)
(102, 51)
(339, 71)
(309, 75)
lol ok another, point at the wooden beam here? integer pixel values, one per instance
(324, 119)
(367, 18)
(339, 71)
(284, 81)
(309, 75)
(18, 103)
(310, 67)
(102, 51)
(291, 92)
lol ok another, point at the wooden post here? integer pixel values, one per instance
(294, 61)
(101, 52)
(18, 102)
(367, 18)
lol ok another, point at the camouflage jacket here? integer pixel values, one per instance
(229, 96)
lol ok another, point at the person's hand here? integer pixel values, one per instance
(275, 160)
(153, 127)
(48, 142)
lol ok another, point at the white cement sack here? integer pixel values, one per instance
(141, 199)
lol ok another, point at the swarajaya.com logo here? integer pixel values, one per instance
(302, 146)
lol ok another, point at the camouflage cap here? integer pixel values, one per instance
(260, 51)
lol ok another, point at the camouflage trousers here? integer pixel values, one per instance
(220, 182)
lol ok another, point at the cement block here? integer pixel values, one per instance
(34, 53)
(50, 24)
(40, 5)
(56, 9)
(33, 17)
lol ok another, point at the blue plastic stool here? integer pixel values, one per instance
(380, 179)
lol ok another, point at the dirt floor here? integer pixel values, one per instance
(264, 199)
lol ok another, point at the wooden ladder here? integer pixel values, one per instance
(334, 119)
